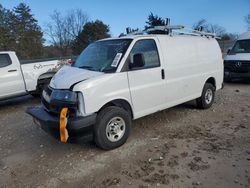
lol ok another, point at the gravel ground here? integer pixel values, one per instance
(178, 147)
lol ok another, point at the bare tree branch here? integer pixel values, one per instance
(247, 19)
(76, 19)
(62, 30)
(211, 28)
(201, 23)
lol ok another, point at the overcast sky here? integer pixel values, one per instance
(133, 13)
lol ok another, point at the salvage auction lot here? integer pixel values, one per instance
(178, 147)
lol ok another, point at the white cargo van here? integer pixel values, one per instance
(237, 61)
(117, 80)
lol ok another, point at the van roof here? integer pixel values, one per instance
(245, 35)
(7, 51)
(169, 30)
(150, 35)
(129, 37)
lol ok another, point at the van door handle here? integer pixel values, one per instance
(162, 74)
(12, 70)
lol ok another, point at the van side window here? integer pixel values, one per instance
(4, 60)
(148, 49)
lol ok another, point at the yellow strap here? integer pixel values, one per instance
(63, 123)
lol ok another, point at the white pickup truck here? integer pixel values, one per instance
(117, 80)
(18, 79)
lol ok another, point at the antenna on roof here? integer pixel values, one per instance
(130, 31)
(127, 30)
(201, 28)
(167, 21)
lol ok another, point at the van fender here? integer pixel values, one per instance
(120, 102)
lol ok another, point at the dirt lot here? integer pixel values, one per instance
(178, 147)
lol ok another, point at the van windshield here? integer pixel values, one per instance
(241, 46)
(103, 56)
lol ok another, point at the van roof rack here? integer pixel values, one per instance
(196, 33)
(170, 30)
(166, 28)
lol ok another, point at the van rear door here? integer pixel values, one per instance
(147, 83)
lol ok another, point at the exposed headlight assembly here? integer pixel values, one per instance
(66, 96)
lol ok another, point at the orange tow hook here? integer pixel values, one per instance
(63, 123)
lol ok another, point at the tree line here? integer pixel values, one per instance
(68, 34)
(19, 31)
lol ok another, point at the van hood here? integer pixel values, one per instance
(238, 57)
(68, 76)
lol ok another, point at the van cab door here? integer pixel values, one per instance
(11, 80)
(146, 78)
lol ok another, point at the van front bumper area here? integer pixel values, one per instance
(79, 129)
(231, 75)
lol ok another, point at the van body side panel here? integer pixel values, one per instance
(181, 70)
(190, 61)
(209, 54)
(105, 88)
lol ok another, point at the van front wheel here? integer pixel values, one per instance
(207, 98)
(112, 127)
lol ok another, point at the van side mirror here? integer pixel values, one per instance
(138, 61)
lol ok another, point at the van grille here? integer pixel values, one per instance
(237, 66)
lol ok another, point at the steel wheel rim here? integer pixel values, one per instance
(209, 96)
(115, 129)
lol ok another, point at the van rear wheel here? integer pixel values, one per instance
(207, 98)
(112, 127)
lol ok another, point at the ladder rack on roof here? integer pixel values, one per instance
(168, 29)
(165, 28)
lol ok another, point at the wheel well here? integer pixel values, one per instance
(47, 75)
(44, 78)
(211, 80)
(120, 103)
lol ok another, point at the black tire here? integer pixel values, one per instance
(34, 94)
(100, 128)
(203, 102)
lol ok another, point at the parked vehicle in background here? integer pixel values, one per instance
(237, 61)
(18, 79)
(115, 81)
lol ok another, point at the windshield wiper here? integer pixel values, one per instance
(87, 67)
(108, 70)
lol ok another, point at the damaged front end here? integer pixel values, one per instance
(58, 116)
